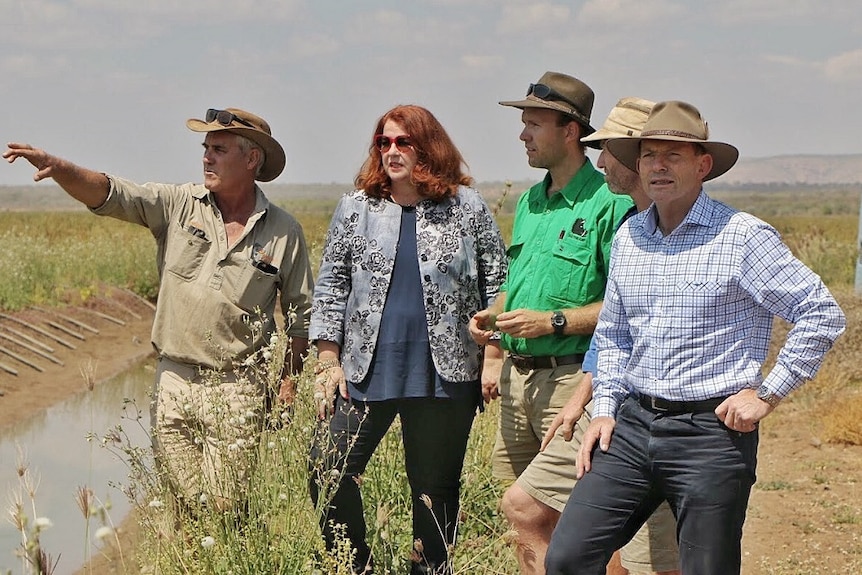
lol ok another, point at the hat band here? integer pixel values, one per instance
(675, 133)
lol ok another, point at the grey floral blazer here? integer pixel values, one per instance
(462, 262)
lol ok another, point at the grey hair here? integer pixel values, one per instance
(247, 145)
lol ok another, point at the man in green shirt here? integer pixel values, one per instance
(548, 308)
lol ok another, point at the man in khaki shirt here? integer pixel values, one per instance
(225, 254)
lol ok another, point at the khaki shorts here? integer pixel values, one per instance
(528, 405)
(654, 546)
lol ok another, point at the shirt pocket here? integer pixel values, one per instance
(696, 302)
(255, 287)
(567, 270)
(185, 253)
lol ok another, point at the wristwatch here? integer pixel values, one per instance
(558, 322)
(767, 396)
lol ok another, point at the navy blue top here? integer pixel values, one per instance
(402, 366)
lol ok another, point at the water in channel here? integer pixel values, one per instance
(60, 457)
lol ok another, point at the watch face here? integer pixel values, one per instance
(558, 319)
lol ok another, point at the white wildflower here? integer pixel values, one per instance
(282, 497)
(156, 504)
(43, 523)
(267, 355)
(241, 442)
(241, 420)
(202, 498)
(207, 542)
(233, 447)
(270, 445)
(273, 339)
(103, 532)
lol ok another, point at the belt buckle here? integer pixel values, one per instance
(520, 363)
(655, 406)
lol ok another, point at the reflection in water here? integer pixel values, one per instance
(62, 460)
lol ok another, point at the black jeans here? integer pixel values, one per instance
(702, 468)
(434, 432)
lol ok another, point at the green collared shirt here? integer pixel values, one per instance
(209, 292)
(559, 254)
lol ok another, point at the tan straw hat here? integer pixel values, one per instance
(676, 122)
(250, 126)
(626, 120)
(556, 91)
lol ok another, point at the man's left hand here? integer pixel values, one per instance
(526, 323)
(742, 411)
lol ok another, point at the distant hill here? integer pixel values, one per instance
(772, 172)
(799, 169)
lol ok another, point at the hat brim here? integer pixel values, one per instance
(275, 157)
(551, 105)
(595, 139)
(627, 151)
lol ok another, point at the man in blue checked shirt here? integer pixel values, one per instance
(682, 336)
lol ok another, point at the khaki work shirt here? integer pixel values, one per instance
(216, 303)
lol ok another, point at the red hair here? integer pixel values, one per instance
(438, 171)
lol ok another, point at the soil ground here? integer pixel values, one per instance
(805, 513)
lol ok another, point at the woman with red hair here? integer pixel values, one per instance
(410, 256)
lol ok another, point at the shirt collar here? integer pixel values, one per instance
(572, 190)
(261, 202)
(700, 214)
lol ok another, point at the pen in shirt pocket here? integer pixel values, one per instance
(197, 232)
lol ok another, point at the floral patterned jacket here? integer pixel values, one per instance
(462, 262)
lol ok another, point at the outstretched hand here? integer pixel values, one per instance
(41, 160)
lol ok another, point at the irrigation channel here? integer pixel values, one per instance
(60, 457)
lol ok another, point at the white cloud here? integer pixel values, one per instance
(311, 45)
(846, 67)
(476, 61)
(204, 11)
(842, 68)
(533, 18)
(627, 14)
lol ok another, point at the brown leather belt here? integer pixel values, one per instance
(659, 405)
(526, 363)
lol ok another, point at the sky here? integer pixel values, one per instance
(108, 84)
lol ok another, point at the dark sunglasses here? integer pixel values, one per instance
(225, 118)
(383, 143)
(544, 92)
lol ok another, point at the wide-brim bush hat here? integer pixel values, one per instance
(626, 120)
(675, 121)
(566, 94)
(255, 128)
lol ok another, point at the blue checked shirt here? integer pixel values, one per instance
(688, 316)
